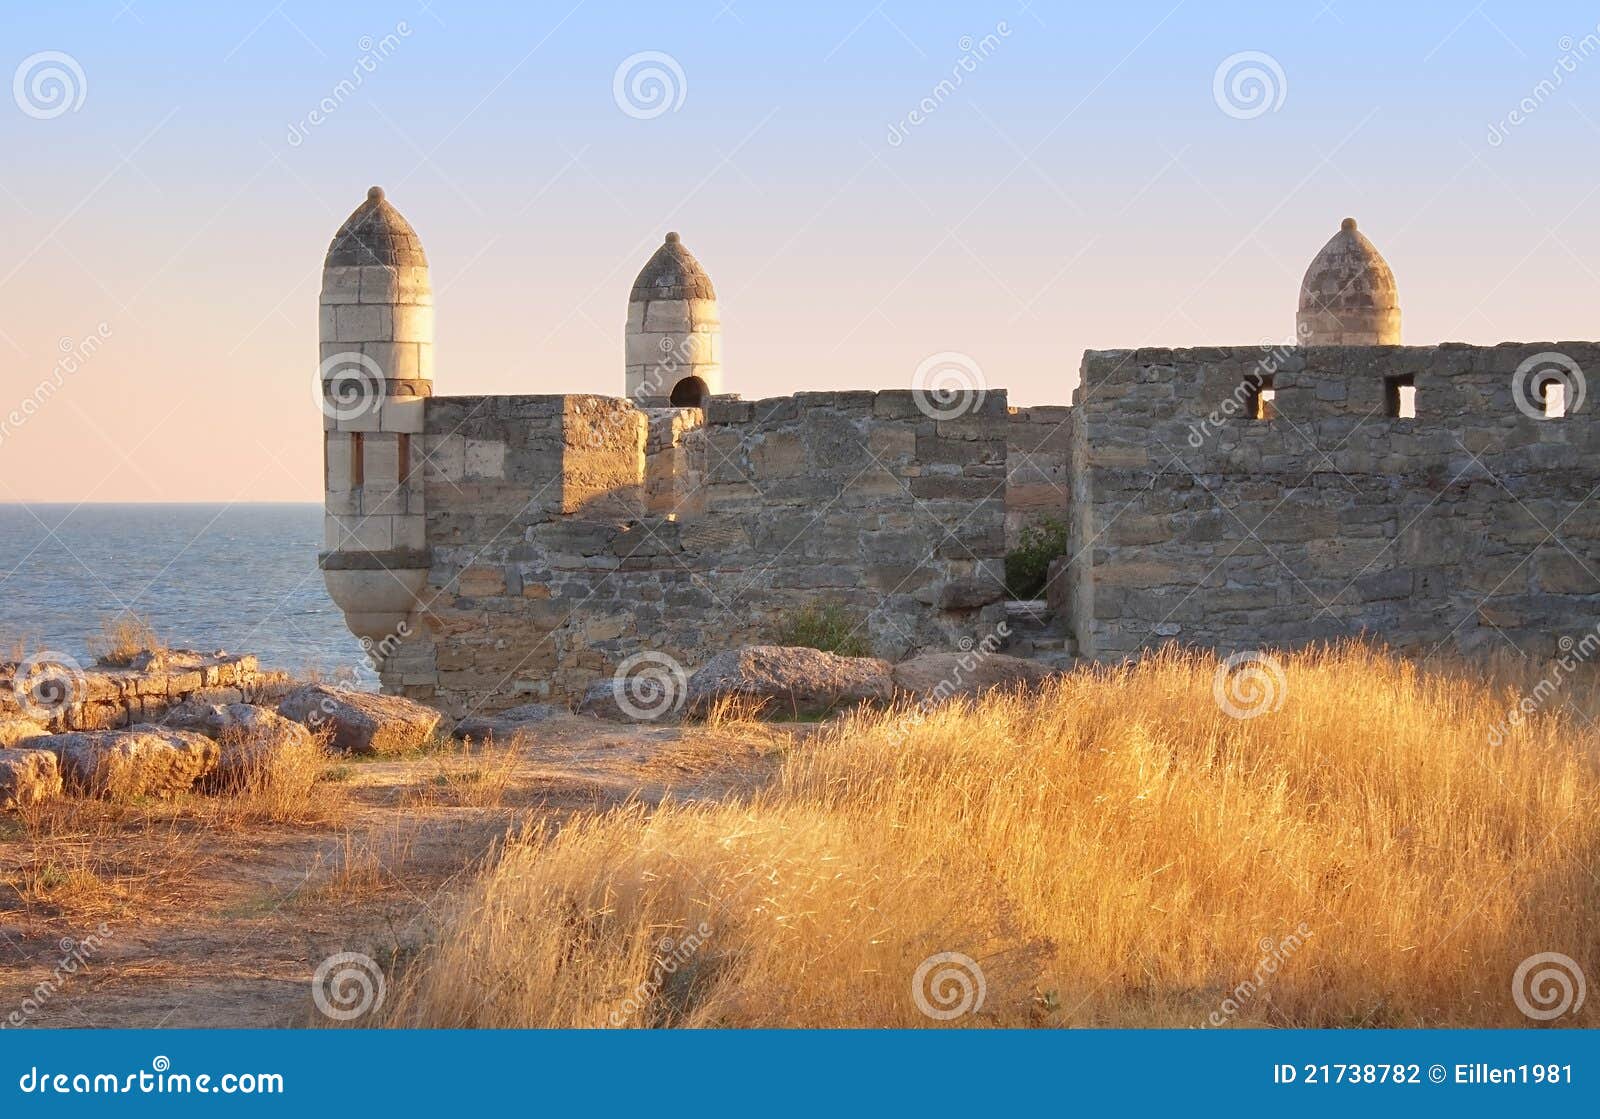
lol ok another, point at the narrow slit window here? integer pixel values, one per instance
(403, 452)
(357, 466)
(1259, 396)
(1554, 393)
(1401, 392)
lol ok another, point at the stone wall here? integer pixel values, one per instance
(1465, 528)
(569, 533)
(1038, 484)
(103, 698)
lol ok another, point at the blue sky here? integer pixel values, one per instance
(1082, 187)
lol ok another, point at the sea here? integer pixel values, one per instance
(242, 578)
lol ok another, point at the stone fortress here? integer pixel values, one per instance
(494, 550)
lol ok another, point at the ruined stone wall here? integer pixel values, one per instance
(1038, 481)
(569, 533)
(1194, 523)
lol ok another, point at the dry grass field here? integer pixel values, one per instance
(1377, 846)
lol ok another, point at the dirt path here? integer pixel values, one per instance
(168, 920)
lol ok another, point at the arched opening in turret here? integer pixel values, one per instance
(688, 393)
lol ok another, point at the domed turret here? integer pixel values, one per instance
(673, 350)
(376, 332)
(1348, 296)
(376, 233)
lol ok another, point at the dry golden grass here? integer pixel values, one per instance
(1113, 851)
(474, 775)
(122, 638)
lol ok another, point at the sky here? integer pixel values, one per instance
(1096, 178)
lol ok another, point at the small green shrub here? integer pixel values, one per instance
(1028, 564)
(828, 626)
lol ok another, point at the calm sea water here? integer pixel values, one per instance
(238, 577)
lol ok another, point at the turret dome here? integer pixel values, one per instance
(1348, 296)
(672, 273)
(375, 233)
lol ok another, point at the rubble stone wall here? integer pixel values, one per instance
(1461, 529)
(570, 533)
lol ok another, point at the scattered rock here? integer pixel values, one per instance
(250, 739)
(948, 674)
(143, 760)
(504, 724)
(361, 722)
(27, 777)
(794, 680)
(970, 593)
(643, 699)
(14, 730)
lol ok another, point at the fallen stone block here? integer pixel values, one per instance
(791, 680)
(15, 730)
(142, 760)
(361, 722)
(251, 740)
(504, 724)
(28, 777)
(939, 675)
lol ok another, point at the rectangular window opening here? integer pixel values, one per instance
(357, 466)
(1259, 396)
(1401, 396)
(1554, 394)
(403, 452)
